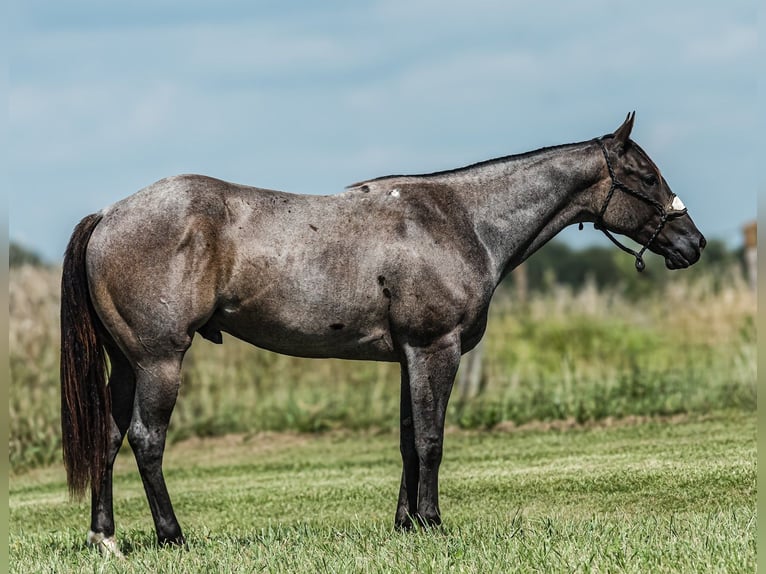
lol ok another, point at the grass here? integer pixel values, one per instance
(562, 356)
(656, 495)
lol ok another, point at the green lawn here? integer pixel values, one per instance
(659, 496)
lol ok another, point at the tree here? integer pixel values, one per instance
(19, 255)
(557, 263)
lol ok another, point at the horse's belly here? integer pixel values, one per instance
(370, 347)
(303, 333)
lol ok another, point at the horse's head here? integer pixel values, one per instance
(636, 201)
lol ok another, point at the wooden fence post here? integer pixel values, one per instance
(470, 378)
(751, 254)
(520, 281)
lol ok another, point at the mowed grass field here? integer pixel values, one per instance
(670, 494)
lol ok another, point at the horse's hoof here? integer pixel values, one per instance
(426, 523)
(429, 522)
(106, 545)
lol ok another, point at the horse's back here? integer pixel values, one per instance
(192, 253)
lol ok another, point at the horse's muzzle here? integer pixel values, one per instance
(686, 252)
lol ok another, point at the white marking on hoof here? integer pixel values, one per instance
(677, 204)
(106, 546)
(394, 192)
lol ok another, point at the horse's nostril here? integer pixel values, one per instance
(703, 242)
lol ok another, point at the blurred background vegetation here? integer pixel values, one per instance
(574, 336)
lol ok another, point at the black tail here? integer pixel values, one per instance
(85, 398)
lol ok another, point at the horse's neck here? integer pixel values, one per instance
(523, 201)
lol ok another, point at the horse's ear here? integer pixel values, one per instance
(622, 134)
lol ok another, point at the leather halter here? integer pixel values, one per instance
(665, 214)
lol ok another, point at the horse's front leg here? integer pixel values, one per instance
(431, 371)
(408, 492)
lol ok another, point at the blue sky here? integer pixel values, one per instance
(107, 97)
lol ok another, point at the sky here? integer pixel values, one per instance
(107, 97)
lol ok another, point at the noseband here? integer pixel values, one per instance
(665, 214)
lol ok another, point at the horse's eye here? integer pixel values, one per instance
(650, 180)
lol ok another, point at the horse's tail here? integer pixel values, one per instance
(85, 398)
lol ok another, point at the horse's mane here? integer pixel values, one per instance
(480, 164)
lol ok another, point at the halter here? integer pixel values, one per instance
(677, 209)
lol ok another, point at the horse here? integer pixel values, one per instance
(399, 268)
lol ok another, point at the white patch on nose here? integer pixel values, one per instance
(394, 192)
(106, 546)
(677, 204)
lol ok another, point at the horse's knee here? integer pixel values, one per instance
(406, 437)
(429, 450)
(146, 443)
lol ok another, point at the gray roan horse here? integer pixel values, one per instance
(399, 268)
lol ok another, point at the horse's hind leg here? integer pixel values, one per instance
(157, 383)
(121, 387)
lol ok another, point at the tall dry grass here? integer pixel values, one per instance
(33, 345)
(584, 355)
